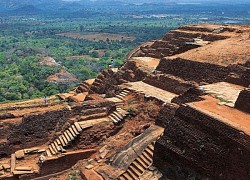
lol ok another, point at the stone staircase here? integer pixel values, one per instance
(64, 140)
(123, 94)
(103, 79)
(140, 164)
(83, 87)
(118, 115)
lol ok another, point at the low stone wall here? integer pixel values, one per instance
(176, 42)
(197, 145)
(193, 70)
(169, 83)
(191, 95)
(239, 74)
(243, 101)
(53, 166)
(206, 37)
(64, 162)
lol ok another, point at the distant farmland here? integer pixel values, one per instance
(97, 36)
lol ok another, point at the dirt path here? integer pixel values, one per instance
(230, 116)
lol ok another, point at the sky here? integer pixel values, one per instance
(175, 0)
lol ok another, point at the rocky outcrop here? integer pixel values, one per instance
(243, 101)
(197, 145)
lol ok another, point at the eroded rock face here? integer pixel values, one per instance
(243, 101)
(33, 130)
(197, 145)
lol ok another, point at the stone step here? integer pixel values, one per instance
(72, 132)
(123, 94)
(12, 162)
(23, 168)
(125, 90)
(63, 140)
(97, 83)
(54, 148)
(112, 119)
(119, 103)
(135, 170)
(48, 153)
(151, 147)
(115, 117)
(58, 142)
(118, 115)
(138, 166)
(70, 136)
(128, 177)
(147, 158)
(66, 137)
(122, 177)
(75, 130)
(98, 80)
(22, 172)
(119, 97)
(57, 147)
(149, 152)
(141, 162)
(131, 173)
(78, 127)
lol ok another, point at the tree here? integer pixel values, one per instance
(94, 54)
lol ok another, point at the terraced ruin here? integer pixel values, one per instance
(177, 109)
